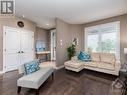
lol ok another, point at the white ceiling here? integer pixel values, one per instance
(72, 11)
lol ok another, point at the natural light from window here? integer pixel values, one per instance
(103, 38)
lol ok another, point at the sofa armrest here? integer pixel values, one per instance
(117, 65)
(74, 58)
(21, 69)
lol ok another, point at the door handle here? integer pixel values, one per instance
(18, 52)
(22, 51)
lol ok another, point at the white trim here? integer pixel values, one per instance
(100, 27)
(51, 44)
(118, 41)
(2, 72)
(4, 27)
(85, 41)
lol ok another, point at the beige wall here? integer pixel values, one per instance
(66, 32)
(123, 31)
(62, 32)
(43, 35)
(76, 32)
(12, 22)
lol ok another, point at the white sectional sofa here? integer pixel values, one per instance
(102, 62)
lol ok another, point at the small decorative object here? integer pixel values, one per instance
(75, 41)
(71, 51)
(20, 24)
(83, 56)
(117, 88)
(117, 84)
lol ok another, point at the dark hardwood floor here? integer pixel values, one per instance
(65, 83)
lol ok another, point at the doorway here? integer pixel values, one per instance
(53, 45)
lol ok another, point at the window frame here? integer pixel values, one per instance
(98, 28)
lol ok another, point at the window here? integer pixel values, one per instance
(103, 38)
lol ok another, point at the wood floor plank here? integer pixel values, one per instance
(65, 83)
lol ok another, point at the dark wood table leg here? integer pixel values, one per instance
(19, 89)
(52, 76)
(126, 86)
(37, 91)
(46, 57)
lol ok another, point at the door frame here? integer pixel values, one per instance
(4, 46)
(51, 32)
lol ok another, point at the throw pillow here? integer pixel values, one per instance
(31, 67)
(83, 56)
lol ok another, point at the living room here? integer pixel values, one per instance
(45, 30)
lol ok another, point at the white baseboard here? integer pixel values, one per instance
(2, 72)
(60, 67)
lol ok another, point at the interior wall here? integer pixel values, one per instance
(76, 32)
(123, 31)
(62, 32)
(12, 22)
(66, 33)
(44, 36)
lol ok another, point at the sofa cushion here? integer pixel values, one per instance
(95, 57)
(104, 65)
(91, 64)
(83, 56)
(35, 79)
(108, 58)
(32, 66)
(73, 64)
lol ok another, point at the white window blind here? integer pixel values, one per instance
(103, 38)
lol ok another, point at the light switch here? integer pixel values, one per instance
(61, 42)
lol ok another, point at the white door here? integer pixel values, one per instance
(27, 49)
(18, 48)
(11, 49)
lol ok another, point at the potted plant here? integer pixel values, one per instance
(71, 50)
